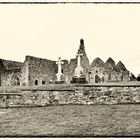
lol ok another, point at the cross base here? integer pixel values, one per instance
(59, 82)
(79, 80)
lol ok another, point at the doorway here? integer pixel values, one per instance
(97, 79)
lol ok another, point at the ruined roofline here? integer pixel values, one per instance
(65, 61)
(29, 56)
(97, 61)
(44, 59)
(120, 62)
(110, 61)
(121, 66)
(72, 60)
(107, 61)
(11, 65)
(10, 60)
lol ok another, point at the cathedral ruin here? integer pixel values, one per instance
(38, 71)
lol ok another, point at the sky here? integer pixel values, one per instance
(53, 30)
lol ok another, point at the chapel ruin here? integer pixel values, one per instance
(38, 71)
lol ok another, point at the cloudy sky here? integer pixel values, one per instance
(53, 30)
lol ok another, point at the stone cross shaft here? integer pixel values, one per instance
(78, 69)
(59, 62)
(78, 59)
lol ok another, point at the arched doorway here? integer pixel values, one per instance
(89, 77)
(109, 75)
(97, 79)
(15, 81)
(36, 82)
(121, 77)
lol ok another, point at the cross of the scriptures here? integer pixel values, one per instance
(78, 59)
(59, 62)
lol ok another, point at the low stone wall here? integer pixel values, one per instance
(76, 94)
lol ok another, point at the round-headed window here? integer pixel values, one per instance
(36, 82)
(43, 82)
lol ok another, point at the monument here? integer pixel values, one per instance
(59, 74)
(79, 77)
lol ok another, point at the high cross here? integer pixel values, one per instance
(59, 62)
(78, 59)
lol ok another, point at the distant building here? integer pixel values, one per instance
(38, 71)
(107, 72)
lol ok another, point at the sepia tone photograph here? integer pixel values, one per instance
(69, 69)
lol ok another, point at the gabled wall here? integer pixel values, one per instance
(9, 77)
(39, 70)
(108, 72)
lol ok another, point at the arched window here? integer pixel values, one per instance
(43, 82)
(109, 75)
(121, 77)
(36, 82)
(89, 73)
(97, 79)
(15, 81)
(18, 82)
(62, 71)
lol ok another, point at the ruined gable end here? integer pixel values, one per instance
(40, 71)
(97, 62)
(121, 66)
(10, 73)
(110, 61)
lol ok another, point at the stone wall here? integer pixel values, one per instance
(25, 73)
(72, 66)
(41, 70)
(108, 75)
(81, 94)
(10, 78)
(38, 69)
(109, 71)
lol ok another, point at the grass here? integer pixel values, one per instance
(71, 120)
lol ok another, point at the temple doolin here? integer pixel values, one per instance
(38, 71)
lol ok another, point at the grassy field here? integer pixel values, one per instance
(71, 120)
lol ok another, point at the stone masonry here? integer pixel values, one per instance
(38, 71)
(72, 95)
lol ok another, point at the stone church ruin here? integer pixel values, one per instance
(39, 71)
